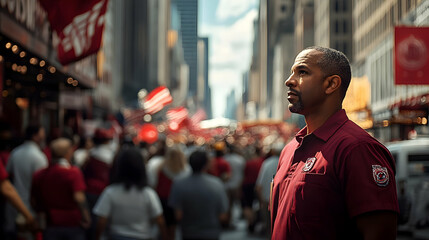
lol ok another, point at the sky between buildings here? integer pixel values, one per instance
(229, 26)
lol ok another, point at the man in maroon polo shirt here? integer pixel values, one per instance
(334, 181)
(58, 194)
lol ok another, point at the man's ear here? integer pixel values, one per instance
(332, 83)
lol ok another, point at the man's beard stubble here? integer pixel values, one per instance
(296, 107)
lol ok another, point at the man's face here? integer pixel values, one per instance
(305, 83)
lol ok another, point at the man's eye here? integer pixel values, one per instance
(302, 72)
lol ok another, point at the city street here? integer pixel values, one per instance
(240, 231)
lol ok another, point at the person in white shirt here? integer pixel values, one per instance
(23, 162)
(129, 205)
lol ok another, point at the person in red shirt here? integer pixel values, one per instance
(173, 167)
(219, 167)
(58, 195)
(251, 171)
(333, 181)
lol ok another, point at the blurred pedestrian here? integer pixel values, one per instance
(97, 169)
(128, 207)
(251, 171)
(6, 142)
(218, 166)
(263, 184)
(81, 154)
(11, 195)
(200, 201)
(155, 161)
(233, 184)
(174, 167)
(334, 181)
(58, 195)
(23, 162)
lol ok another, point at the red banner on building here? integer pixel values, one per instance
(79, 26)
(411, 55)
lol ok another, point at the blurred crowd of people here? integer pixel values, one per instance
(110, 186)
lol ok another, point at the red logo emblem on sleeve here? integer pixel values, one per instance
(309, 164)
(380, 174)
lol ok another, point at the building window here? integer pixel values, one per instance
(336, 26)
(345, 49)
(337, 8)
(283, 8)
(345, 29)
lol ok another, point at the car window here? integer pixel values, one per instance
(395, 156)
(418, 165)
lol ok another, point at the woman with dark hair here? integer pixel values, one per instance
(128, 204)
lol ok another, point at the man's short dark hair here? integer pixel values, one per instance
(32, 130)
(334, 62)
(198, 160)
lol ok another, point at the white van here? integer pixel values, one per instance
(412, 179)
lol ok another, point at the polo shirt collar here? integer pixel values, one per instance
(63, 163)
(301, 134)
(325, 131)
(331, 125)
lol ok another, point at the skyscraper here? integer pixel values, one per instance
(189, 28)
(203, 72)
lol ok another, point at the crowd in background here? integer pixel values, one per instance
(111, 186)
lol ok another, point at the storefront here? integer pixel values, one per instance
(34, 86)
(405, 119)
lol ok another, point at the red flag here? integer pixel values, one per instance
(197, 118)
(157, 99)
(79, 25)
(177, 114)
(411, 55)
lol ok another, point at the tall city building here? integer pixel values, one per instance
(189, 29)
(304, 24)
(135, 48)
(231, 107)
(204, 91)
(395, 109)
(151, 52)
(374, 21)
(179, 70)
(333, 25)
(280, 50)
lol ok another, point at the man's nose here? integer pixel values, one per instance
(290, 82)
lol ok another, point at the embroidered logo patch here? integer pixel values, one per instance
(380, 174)
(309, 164)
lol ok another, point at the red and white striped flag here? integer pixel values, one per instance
(157, 99)
(177, 114)
(197, 118)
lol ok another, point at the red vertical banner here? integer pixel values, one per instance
(411, 55)
(79, 26)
